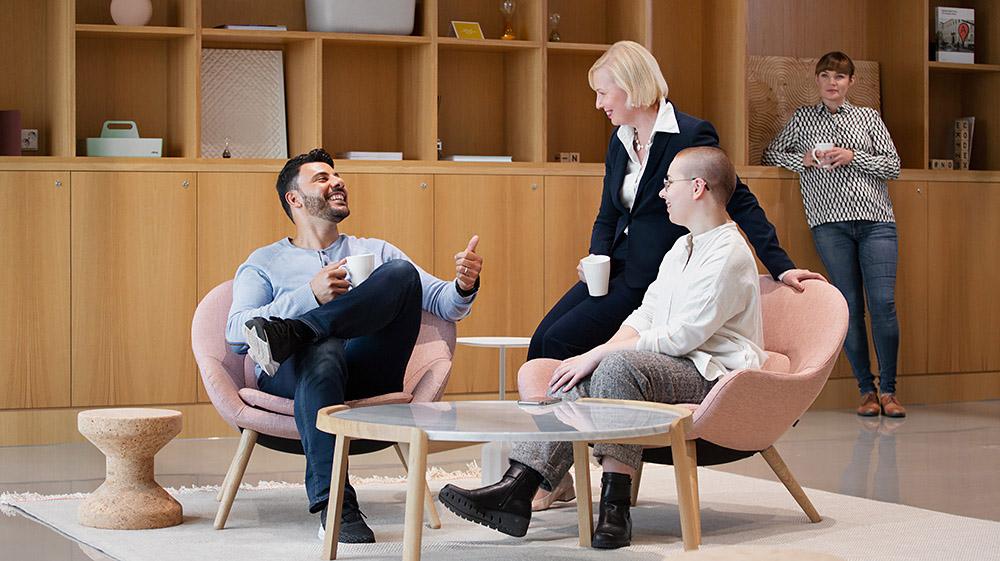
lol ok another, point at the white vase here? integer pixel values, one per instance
(131, 12)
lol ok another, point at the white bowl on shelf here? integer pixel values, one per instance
(388, 17)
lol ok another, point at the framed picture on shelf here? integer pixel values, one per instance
(467, 29)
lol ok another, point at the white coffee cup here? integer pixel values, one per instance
(597, 270)
(360, 266)
(821, 147)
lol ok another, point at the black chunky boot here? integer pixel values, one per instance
(504, 506)
(614, 525)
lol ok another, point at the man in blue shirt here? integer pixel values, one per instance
(321, 338)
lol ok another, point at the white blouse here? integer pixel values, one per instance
(705, 304)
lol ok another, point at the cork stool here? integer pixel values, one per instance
(129, 498)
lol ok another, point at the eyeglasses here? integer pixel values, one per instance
(668, 182)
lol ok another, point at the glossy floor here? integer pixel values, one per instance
(942, 457)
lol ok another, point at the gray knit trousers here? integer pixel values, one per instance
(634, 375)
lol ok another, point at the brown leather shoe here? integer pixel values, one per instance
(891, 407)
(869, 405)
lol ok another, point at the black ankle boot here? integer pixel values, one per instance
(504, 506)
(614, 526)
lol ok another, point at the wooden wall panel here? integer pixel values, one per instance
(507, 213)
(574, 123)
(678, 43)
(35, 295)
(571, 205)
(134, 287)
(26, 85)
(725, 102)
(806, 28)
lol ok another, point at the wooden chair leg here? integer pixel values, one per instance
(686, 501)
(692, 454)
(433, 520)
(229, 471)
(235, 476)
(635, 485)
(785, 475)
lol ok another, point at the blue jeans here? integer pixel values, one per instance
(860, 257)
(364, 341)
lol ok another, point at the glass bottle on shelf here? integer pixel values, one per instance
(507, 8)
(554, 28)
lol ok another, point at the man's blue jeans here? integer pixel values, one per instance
(364, 341)
(860, 257)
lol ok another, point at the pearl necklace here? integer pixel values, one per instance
(639, 147)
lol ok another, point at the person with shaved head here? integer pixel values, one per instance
(699, 320)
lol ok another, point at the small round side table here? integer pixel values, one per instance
(129, 498)
(495, 455)
(502, 343)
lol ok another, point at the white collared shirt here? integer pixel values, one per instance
(666, 121)
(705, 304)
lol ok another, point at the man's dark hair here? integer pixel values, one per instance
(288, 178)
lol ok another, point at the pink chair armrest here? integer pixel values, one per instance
(533, 377)
(742, 413)
(267, 402)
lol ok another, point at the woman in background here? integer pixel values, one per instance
(844, 156)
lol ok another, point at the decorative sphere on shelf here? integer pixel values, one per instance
(131, 12)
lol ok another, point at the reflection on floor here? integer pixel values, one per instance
(942, 457)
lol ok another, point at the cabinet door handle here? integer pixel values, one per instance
(185, 184)
(58, 183)
(918, 190)
(534, 186)
(423, 186)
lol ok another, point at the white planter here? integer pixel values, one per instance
(390, 17)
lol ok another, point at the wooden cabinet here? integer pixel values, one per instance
(396, 208)
(35, 250)
(963, 238)
(910, 205)
(571, 205)
(507, 214)
(134, 287)
(237, 213)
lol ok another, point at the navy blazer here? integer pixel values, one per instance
(650, 232)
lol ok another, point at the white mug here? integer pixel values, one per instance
(597, 270)
(821, 147)
(360, 266)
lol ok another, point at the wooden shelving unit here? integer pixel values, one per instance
(527, 98)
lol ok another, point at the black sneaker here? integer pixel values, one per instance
(271, 341)
(353, 528)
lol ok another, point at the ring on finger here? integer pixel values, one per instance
(464, 269)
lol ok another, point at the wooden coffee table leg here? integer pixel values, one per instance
(416, 489)
(584, 506)
(336, 504)
(685, 491)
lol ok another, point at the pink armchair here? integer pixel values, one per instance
(749, 410)
(269, 420)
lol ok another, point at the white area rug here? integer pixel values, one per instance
(272, 523)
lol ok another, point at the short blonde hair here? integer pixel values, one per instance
(635, 70)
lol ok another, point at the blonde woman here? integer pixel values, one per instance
(631, 226)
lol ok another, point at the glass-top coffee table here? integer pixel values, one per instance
(434, 427)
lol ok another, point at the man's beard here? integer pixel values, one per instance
(320, 208)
